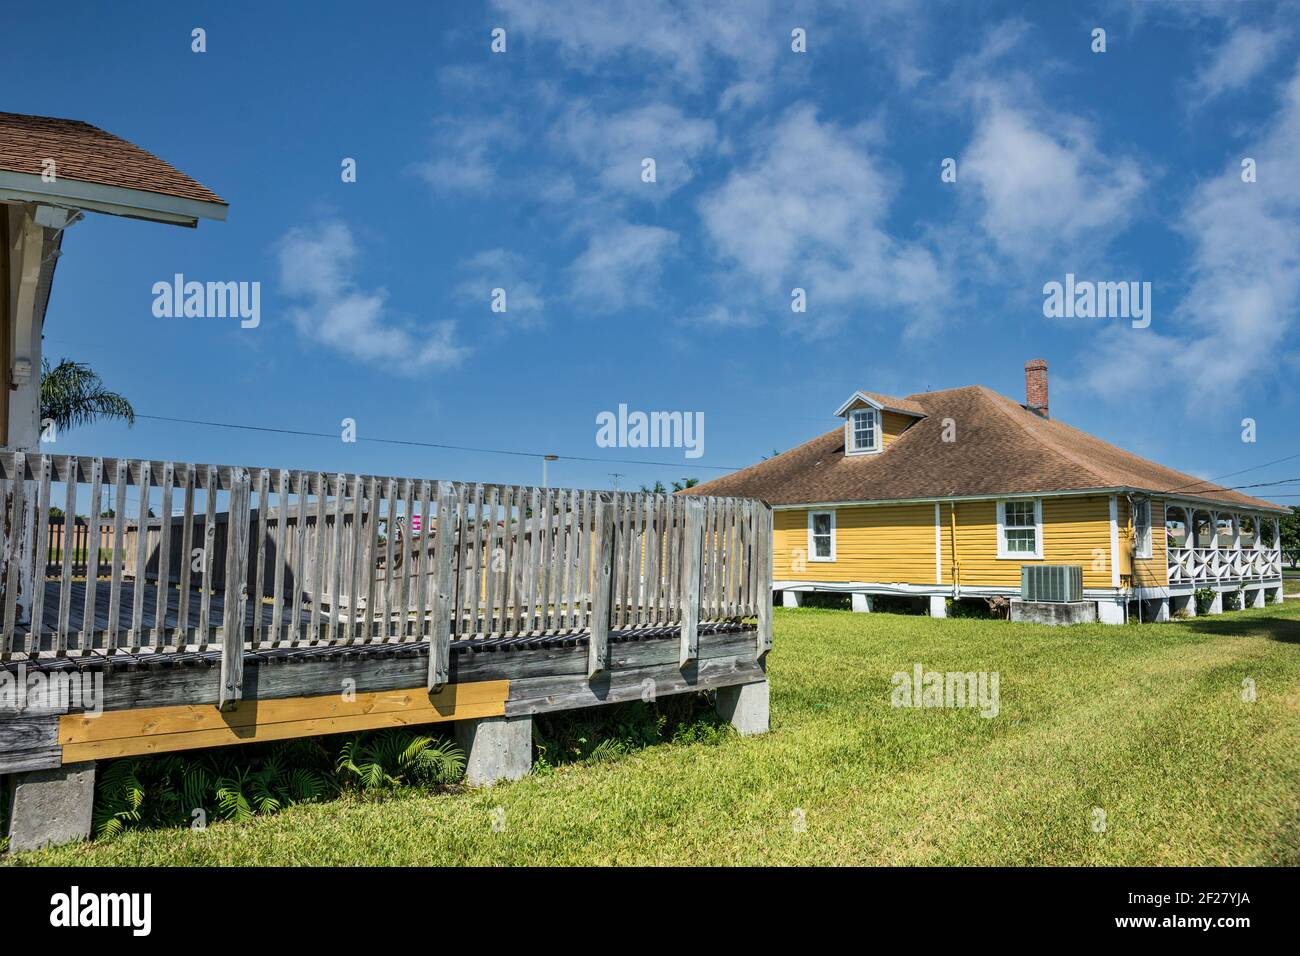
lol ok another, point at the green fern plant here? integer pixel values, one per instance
(122, 796)
(390, 758)
(226, 784)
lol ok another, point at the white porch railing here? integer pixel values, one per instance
(1211, 566)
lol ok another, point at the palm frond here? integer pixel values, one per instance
(73, 394)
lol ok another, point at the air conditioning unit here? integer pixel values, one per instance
(1051, 583)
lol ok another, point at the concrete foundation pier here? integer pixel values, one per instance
(49, 807)
(746, 707)
(496, 748)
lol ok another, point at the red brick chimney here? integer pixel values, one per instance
(1036, 386)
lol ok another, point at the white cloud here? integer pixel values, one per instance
(501, 269)
(1240, 310)
(724, 316)
(1043, 181)
(615, 144)
(465, 155)
(1246, 52)
(620, 266)
(317, 267)
(689, 38)
(1034, 180)
(809, 212)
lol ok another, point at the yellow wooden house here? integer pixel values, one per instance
(946, 495)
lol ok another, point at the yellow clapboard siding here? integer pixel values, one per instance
(186, 727)
(881, 543)
(893, 544)
(1076, 530)
(892, 425)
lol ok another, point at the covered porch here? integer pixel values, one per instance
(1236, 554)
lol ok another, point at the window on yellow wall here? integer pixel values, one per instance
(1020, 528)
(821, 535)
(1142, 527)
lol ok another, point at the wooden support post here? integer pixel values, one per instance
(763, 555)
(236, 591)
(603, 585)
(692, 566)
(443, 590)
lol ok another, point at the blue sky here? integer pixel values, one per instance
(774, 170)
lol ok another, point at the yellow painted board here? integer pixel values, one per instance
(261, 733)
(204, 725)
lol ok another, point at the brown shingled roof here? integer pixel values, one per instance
(1000, 448)
(88, 154)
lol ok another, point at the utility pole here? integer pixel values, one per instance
(545, 459)
(616, 475)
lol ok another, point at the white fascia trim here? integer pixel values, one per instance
(929, 499)
(1082, 493)
(114, 200)
(812, 550)
(853, 400)
(921, 590)
(860, 397)
(849, 587)
(1209, 504)
(1003, 553)
(1114, 541)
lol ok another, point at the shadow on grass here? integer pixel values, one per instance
(1234, 624)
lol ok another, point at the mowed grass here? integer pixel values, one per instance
(1146, 723)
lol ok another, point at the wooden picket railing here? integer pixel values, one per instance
(206, 557)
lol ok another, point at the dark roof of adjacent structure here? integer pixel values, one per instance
(998, 448)
(87, 153)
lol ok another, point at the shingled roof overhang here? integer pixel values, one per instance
(96, 171)
(972, 443)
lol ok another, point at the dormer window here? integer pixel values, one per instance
(872, 421)
(864, 430)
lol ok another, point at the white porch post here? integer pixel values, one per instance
(23, 377)
(1216, 556)
(27, 243)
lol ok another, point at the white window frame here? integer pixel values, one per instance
(812, 549)
(1003, 553)
(1142, 542)
(850, 446)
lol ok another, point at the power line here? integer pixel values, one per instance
(425, 444)
(1233, 474)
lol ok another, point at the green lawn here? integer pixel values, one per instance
(1145, 723)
